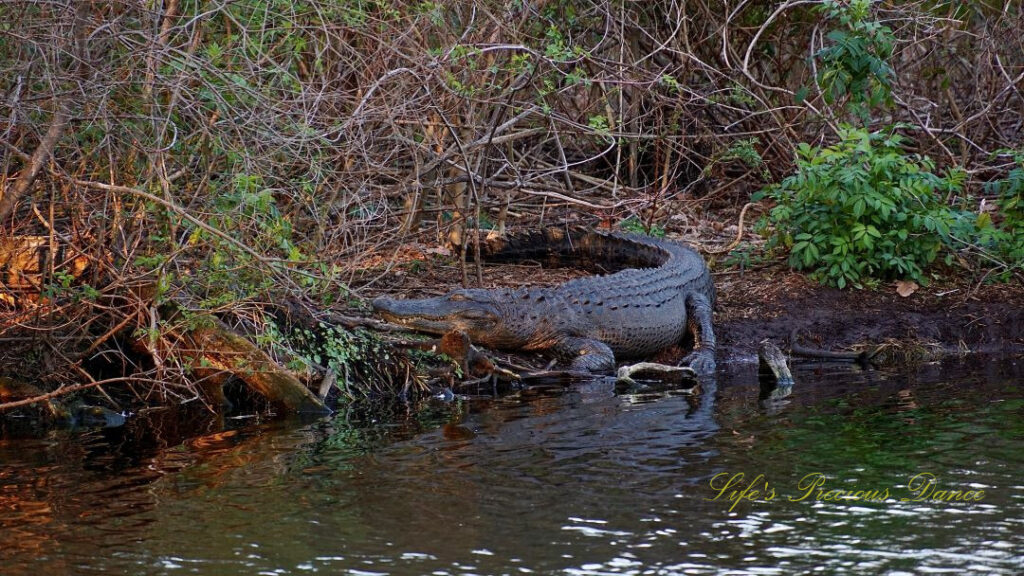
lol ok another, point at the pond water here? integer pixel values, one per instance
(577, 480)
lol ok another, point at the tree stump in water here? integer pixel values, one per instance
(773, 372)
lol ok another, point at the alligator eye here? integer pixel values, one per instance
(456, 297)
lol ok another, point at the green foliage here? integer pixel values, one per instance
(460, 87)
(636, 226)
(671, 82)
(744, 151)
(740, 96)
(556, 48)
(521, 64)
(578, 76)
(63, 284)
(336, 348)
(743, 257)
(353, 356)
(434, 10)
(862, 209)
(1001, 238)
(328, 346)
(599, 124)
(855, 65)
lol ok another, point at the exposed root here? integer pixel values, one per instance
(739, 232)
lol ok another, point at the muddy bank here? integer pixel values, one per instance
(953, 317)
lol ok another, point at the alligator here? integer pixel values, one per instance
(662, 294)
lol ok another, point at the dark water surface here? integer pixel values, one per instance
(572, 481)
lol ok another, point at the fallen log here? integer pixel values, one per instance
(217, 347)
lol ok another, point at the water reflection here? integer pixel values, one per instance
(579, 481)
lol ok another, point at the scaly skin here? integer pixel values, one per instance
(589, 321)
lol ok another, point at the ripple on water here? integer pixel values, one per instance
(573, 481)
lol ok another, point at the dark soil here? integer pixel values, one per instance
(947, 318)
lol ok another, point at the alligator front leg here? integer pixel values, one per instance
(586, 354)
(698, 312)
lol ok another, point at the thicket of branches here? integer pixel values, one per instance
(223, 154)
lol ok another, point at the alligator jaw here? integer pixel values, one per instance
(440, 315)
(415, 314)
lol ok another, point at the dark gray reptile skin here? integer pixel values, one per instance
(665, 292)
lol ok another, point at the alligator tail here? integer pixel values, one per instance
(576, 247)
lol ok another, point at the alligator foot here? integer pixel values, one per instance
(701, 361)
(588, 355)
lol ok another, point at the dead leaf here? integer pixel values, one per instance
(906, 287)
(438, 251)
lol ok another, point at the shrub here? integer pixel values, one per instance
(999, 240)
(862, 209)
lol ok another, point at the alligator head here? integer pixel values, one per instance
(476, 312)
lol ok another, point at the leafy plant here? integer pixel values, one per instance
(636, 226)
(557, 48)
(672, 83)
(855, 65)
(862, 209)
(599, 124)
(744, 151)
(744, 257)
(1000, 239)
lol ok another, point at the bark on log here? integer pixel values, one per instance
(217, 346)
(772, 365)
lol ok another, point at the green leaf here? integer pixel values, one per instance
(858, 207)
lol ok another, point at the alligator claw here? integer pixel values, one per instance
(701, 361)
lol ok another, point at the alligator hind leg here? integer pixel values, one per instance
(587, 355)
(698, 313)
